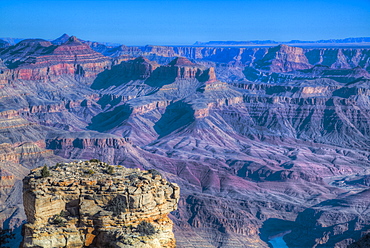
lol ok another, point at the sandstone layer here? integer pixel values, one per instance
(281, 58)
(262, 141)
(94, 204)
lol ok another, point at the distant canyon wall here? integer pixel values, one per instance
(338, 58)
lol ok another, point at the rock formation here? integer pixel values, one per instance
(283, 58)
(262, 141)
(288, 57)
(95, 204)
(37, 59)
(60, 40)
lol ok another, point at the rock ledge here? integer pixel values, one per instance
(97, 205)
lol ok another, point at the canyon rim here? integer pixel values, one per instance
(262, 141)
(192, 123)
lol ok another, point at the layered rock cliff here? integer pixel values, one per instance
(283, 59)
(262, 141)
(95, 204)
(288, 57)
(151, 91)
(37, 59)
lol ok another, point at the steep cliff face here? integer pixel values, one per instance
(138, 98)
(279, 58)
(94, 204)
(137, 69)
(275, 137)
(40, 60)
(75, 145)
(15, 162)
(257, 151)
(17, 54)
(182, 69)
(37, 97)
(60, 40)
(283, 59)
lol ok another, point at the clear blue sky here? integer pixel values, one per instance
(184, 22)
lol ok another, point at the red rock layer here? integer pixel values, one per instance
(139, 68)
(71, 58)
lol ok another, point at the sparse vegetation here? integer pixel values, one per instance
(58, 220)
(45, 172)
(63, 213)
(94, 160)
(146, 228)
(90, 172)
(154, 172)
(117, 205)
(133, 176)
(110, 170)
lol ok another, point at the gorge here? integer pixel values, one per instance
(260, 140)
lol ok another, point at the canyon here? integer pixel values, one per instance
(261, 141)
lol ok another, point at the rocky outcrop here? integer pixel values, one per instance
(60, 40)
(84, 145)
(41, 60)
(183, 69)
(283, 58)
(258, 145)
(8, 154)
(95, 204)
(137, 69)
(17, 54)
(152, 94)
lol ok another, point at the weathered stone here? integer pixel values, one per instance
(91, 215)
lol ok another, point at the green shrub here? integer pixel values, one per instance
(90, 172)
(58, 220)
(63, 213)
(45, 172)
(146, 228)
(110, 170)
(154, 172)
(133, 176)
(94, 160)
(117, 205)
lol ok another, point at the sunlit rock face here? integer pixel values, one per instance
(95, 204)
(283, 58)
(41, 60)
(262, 141)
